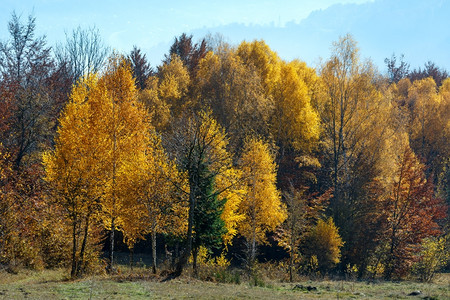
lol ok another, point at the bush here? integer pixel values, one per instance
(432, 258)
(215, 269)
(322, 247)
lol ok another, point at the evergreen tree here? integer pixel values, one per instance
(208, 224)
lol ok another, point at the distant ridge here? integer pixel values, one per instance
(381, 28)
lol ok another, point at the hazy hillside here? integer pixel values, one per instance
(380, 27)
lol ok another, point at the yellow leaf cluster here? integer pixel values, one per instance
(291, 86)
(296, 123)
(233, 192)
(235, 94)
(264, 60)
(71, 168)
(261, 205)
(328, 240)
(166, 94)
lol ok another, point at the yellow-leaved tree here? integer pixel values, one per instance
(290, 86)
(358, 126)
(103, 131)
(235, 94)
(261, 206)
(73, 170)
(443, 172)
(122, 123)
(155, 182)
(323, 245)
(426, 126)
(295, 122)
(266, 63)
(429, 127)
(166, 94)
(231, 190)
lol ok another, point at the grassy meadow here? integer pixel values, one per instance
(140, 284)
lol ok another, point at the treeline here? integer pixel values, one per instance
(346, 169)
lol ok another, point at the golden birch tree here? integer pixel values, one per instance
(261, 206)
(235, 94)
(295, 122)
(429, 126)
(123, 124)
(166, 94)
(155, 194)
(265, 61)
(324, 243)
(73, 170)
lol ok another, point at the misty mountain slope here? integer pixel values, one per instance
(381, 28)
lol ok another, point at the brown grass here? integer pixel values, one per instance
(141, 284)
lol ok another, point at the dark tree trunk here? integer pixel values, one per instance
(131, 258)
(291, 262)
(80, 267)
(194, 261)
(154, 248)
(187, 251)
(176, 254)
(111, 246)
(74, 250)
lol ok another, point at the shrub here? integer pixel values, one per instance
(434, 255)
(322, 246)
(217, 268)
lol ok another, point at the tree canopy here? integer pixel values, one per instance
(221, 152)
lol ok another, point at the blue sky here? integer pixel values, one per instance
(294, 28)
(149, 23)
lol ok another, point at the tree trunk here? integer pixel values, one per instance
(390, 260)
(80, 267)
(187, 251)
(111, 246)
(291, 245)
(176, 254)
(113, 225)
(290, 265)
(74, 250)
(194, 261)
(253, 251)
(252, 254)
(131, 258)
(154, 247)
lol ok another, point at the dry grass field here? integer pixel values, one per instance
(53, 284)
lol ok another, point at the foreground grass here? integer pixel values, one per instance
(54, 284)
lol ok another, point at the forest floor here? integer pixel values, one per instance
(139, 284)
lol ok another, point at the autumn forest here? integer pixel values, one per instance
(221, 157)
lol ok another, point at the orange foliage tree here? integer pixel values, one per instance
(410, 212)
